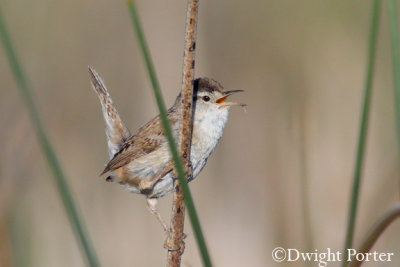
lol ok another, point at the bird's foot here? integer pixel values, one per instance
(170, 246)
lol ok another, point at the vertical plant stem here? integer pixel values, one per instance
(50, 155)
(396, 61)
(362, 130)
(167, 129)
(185, 133)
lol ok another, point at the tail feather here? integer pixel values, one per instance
(116, 131)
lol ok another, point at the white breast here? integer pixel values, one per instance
(207, 131)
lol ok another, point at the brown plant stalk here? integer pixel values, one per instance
(380, 226)
(176, 237)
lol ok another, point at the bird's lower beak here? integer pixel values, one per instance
(222, 103)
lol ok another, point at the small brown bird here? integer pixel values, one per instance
(142, 162)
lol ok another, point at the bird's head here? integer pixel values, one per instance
(209, 95)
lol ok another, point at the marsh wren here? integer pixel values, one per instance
(142, 162)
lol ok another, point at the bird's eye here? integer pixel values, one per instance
(206, 98)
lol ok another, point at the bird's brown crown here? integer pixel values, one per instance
(207, 84)
(202, 85)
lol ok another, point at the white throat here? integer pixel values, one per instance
(208, 127)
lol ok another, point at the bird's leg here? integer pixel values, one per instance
(152, 206)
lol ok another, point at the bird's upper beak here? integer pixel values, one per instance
(222, 103)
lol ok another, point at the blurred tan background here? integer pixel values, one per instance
(302, 64)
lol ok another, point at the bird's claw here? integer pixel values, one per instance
(168, 245)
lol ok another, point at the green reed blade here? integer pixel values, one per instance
(363, 129)
(167, 128)
(59, 177)
(394, 32)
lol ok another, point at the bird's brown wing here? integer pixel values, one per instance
(148, 138)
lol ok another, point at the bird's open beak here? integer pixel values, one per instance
(222, 103)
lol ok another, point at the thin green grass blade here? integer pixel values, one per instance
(167, 128)
(394, 32)
(62, 186)
(363, 129)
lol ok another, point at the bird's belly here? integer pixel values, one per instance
(162, 187)
(166, 184)
(201, 149)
